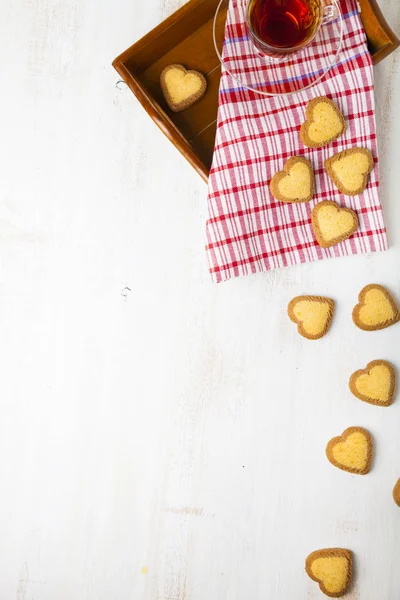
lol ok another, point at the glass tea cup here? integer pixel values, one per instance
(280, 28)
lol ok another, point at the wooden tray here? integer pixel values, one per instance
(186, 38)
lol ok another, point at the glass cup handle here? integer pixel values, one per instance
(329, 13)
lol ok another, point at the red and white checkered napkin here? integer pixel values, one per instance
(247, 229)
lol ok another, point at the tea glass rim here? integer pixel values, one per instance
(279, 51)
(275, 94)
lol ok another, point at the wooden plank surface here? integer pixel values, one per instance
(162, 438)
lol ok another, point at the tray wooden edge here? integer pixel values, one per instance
(373, 19)
(148, 38)
(385, 51)
(161, 119)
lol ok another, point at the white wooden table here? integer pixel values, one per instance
(161, 437)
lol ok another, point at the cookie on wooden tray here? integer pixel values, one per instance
(295, 183)
(375, 384)
(396, 493)
(349, 170)
(324, 123)
(351, 451)
(332, 223)
(181, 87)
(313, 315)
(376, 308)
(332, 569)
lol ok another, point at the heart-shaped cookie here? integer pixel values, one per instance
(349, 170)
(313, 315)
(352, 451)
(376, 308)
(332, 224)
(324, 123)
(332, 569)
(181, 88)
(376, 384)
(295, 183)
(396, 493)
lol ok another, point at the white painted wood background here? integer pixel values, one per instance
(161, 437)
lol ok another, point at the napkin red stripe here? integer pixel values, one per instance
(247, 229)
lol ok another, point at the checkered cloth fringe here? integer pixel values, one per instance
(247, 229)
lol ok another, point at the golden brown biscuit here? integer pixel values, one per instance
(295, 183)
(181, 88)
(324, 123)
(332, 224)
(375, 384)
(332, 569)
(376, 308)
(351, 451)
(349, 170)
(396, 493)
(313, 315)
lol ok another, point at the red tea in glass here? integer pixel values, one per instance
(284, 24)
